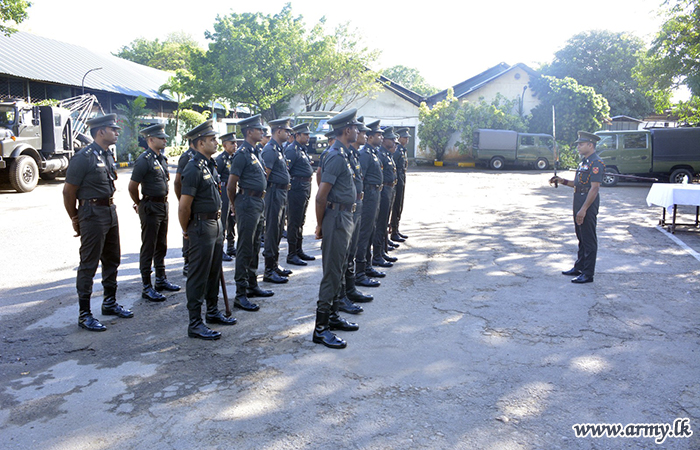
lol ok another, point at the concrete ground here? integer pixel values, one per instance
(474, 340)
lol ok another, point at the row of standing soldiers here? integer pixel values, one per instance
(262, 185)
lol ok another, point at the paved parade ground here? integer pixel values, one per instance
(474, 340)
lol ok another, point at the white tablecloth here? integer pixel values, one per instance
(667, 195)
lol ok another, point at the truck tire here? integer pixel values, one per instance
(542, 164)
(24, 174)
(496, 163)
(678, 175)
(610, 181)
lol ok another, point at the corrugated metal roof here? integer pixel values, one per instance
(37, 58)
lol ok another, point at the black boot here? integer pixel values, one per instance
(150, 294)
(322, 333)
(231, 249)
(257, 291)
(352, 293)
(198, 330)
(349, 307)
(296, 260)
(226, 257)
(110, 307)
(303, 255)
(396, 237)
(162, 284)
(391, 259)
(281, 271)
(242, 302)
(86, 321)
(215, 316)
(335, 322)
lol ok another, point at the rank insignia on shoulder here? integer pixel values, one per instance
(207, 176)
(595, 170)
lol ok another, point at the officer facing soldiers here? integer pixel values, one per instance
(275, 199)
(151, 172)
(300, 173)
(90, 184)
(372, 185)
(380, 258)
(246, 190)
(199, 213)
(401, 160)
(223, 166)
(335, 204)
(586, 185)
(177, 186)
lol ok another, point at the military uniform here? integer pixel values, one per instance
(223, 166)
(387, 197)
(400, 157)
(151, 172)
(92, 171)
(186, 156)
(300, 173)
(372, 185)
(249, 207)
(590, 169)
(201, 181)
(275, 201)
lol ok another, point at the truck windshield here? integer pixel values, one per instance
(8, 116)
(319, 125)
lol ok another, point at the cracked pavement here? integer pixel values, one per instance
(474, 340)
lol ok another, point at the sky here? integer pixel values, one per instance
(447, 41)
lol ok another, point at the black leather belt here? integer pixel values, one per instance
(301, 178)
(279, 186)
(390, 184)
(207, 216)
(360, 196)
(341, 206)
(375, 187)
(97, 201)
(251, 193)
(148, 198)
(581, 189)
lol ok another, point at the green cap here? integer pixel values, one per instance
(156, 131)
(585, 136)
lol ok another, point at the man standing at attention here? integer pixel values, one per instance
(401, 160)
(177, 186)
(335, 204)
(199, 213)
(223, 166)
(586, 185)
(300, 173)
(246, 190)
(151, 172)
(90, 184)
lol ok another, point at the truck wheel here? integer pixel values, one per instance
(49, 176)
(609, 180)
(24, 174)
(678, 175)
(542, 164)
(496, 163)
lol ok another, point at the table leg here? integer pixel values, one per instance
(673, 227)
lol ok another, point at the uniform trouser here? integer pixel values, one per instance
(368, 225)
(249, 221)
(275, 199)
(352, 249)
(337, 228)
(99, 242)
(380, 237)
(154, 238)
(298, 198)
(586, 234)
(397, 207)
(206, 248)
(227, 221)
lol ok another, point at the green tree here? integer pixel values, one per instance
(174, 53)
(438, 124)
(12, 11)
(577, 108)
(131, 115)
(410, 78)
(605, 61)
(500, 114)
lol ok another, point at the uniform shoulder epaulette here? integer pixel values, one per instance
(201, 163)
(148, 155)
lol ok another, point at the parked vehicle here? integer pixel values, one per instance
(670, 154)
(496, 148)
(318, 124)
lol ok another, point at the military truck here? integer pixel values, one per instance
(670, 154)
(35, 141)
(318, 124)
(496, 148)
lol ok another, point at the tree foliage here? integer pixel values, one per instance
(12, 11)
(174, 53)
(577, 107)
(500, 114)
(410, 78)
(438, 124)
(131, 114)
(605, 61)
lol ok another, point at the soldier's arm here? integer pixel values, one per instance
(70, 198)
(321, 199)
(231, 187)
(184, 211)
(562, 181)
(318, 176)
(177, 185)
(134, 193)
